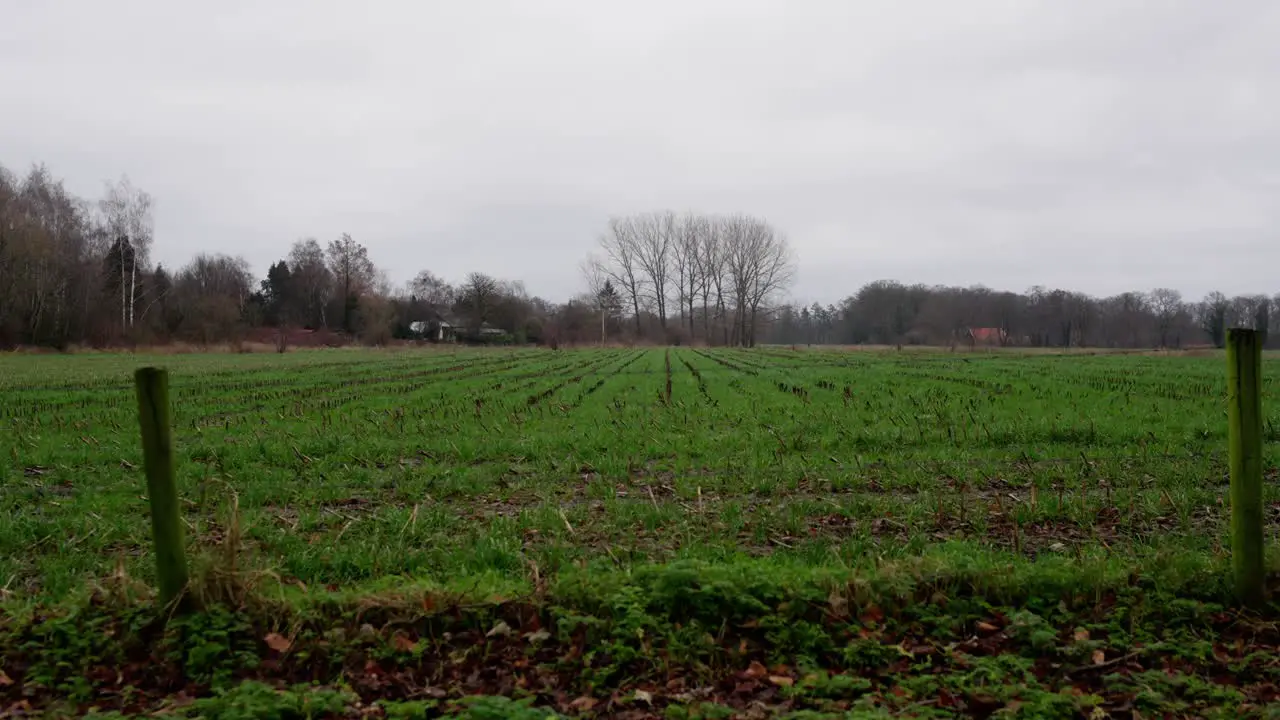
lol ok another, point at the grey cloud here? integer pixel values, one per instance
(1095, 146)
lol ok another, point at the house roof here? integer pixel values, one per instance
(987, 333)
(437, 320)
(423, 326)
(432, 317)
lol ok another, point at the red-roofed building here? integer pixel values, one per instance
(989, 336)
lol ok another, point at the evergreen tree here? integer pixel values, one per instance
(277, 295)
(609, 303)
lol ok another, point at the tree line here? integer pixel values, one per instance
(77, 271)
(891, 313)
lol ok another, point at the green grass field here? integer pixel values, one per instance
(636, 533)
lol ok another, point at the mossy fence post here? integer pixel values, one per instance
(1244, 434)
(162, 489)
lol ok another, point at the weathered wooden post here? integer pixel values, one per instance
(162, 489)
(1244, 433)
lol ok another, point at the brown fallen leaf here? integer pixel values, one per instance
(782, 680)
(5, 680)
(756, 670)
(403, 643)
(277, 642)
(1081, 635)
(986, 628)
(1099, 657)
(946, 699)
(583, 703)
(872, 614)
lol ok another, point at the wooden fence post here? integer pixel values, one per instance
(162, 489)
(1244, 433)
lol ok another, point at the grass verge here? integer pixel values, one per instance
(959, 631)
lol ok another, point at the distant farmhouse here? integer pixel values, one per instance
(435, 328)
(439, 328)
(986, 336)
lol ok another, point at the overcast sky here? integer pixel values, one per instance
(1095, 145)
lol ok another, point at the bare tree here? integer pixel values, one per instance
(478, 297)
(220, 275)
(127, 214)
(594, 274)
(1124, 318)
(1262, 317)
(649, 256)
(759, 264)
(353, 271)
(654, 237)
(597, 280)
(312, 278)
(1165, 304)
(773, 270)
(1251, 311)
(376, 311)
(1214, 315)
(688, 269)
(513, 308)
(211, 291)
(431, 289)
(50, 263)
(712, 262)
(621, 263)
